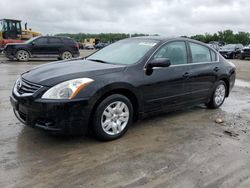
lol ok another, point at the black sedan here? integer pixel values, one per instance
(120, 83)
(43, 46)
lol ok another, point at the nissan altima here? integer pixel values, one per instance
(110, 89)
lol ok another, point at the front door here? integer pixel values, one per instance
(164, 87)
(39, 46)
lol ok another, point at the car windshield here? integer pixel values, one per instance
(128, 51)
(228, 47)
(30, 40)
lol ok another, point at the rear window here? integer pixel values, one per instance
(200, 53)
(68, 41)
(55, 40)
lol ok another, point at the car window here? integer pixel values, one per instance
(200, 53)
(55, 41)
(213, 55)
(68, 41)
(176, 52)
(41, 41)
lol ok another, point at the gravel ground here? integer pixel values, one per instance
(181, 149)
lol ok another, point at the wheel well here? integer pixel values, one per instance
(17, 50)
(227, 84)
(127, 93)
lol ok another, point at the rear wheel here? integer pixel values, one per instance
(22, 55)
(66, 55)
(113, 117)
(218, 96)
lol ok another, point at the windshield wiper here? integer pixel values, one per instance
(98, 60)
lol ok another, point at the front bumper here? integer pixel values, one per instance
(62, 117)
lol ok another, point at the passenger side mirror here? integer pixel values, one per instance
(159, 62)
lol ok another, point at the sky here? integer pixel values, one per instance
(164, 17)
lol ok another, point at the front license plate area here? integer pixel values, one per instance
(14, 103)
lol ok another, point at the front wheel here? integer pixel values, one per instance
(113, 117)
(218, 96)
(22, 55)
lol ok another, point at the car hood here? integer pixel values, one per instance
(226, 50)
(57, 72)
(15, 44)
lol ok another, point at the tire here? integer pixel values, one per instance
(22, 55)
(242, 57)
(66, 55)
(218, 96)
(110, 123)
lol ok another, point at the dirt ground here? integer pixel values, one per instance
(180, 149)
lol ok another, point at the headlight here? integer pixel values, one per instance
(68, 89)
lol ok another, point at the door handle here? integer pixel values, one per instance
(216, 69)
(186, 75)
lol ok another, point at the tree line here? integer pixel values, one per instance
(104, 37)
(227, 36)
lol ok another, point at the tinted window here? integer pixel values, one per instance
(68, 41)
(213, 55)
(55, 40)
(176, 52)
(200, 53)
(41, 41)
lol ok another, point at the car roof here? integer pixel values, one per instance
(54, 37)
(165, 39)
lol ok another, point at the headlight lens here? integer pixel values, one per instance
(68, 89)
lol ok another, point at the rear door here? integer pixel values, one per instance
(55, 45)
(164, 87)
(203, 71)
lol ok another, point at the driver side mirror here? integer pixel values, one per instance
(33, 43)
(159, 62)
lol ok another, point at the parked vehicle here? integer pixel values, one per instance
(101, 45)
(120, 83)
(245, 52)
(81, 46)
(43, 46)
(89, 47)
(231, 51)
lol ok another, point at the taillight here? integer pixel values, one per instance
(77, 45)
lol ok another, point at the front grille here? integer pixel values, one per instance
(26, 87)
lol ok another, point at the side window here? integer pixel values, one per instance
(55, 41)
(200, 54)
(176, 52)
(41, 41)
(213, 55)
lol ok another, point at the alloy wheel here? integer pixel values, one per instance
(22, 55)
(66, 55)
(115, 118)
(219, 94)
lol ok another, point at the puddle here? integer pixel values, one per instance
(242, 83)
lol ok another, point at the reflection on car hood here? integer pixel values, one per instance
(57, 72)
(226, 50)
